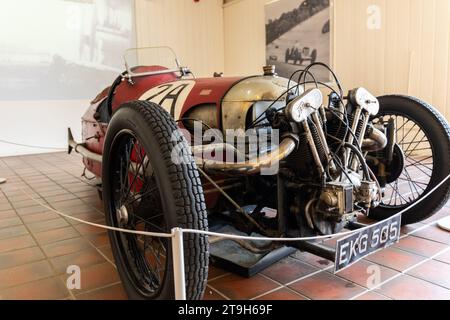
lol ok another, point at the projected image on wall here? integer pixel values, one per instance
(62, 49)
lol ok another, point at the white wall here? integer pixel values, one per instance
(194, 30)
(39, 123)
(410, 54)
(245, 38)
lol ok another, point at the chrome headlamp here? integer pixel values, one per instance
(363, 98)
(299, 109)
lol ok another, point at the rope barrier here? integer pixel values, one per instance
(102, 226)
(31, 146)
(412, 232)
(177, 240)
(232, 236)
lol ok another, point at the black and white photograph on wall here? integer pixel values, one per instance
(82, 43)
(298, 34)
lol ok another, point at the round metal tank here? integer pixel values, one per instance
(253, 94)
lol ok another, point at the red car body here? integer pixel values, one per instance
(184, 94)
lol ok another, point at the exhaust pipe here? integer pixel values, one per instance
(375, 141)
(287, 146)
(81, 148)
(252, 166)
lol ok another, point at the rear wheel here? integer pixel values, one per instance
(143, 189)
(419, 159)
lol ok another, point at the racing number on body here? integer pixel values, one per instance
(170, 96)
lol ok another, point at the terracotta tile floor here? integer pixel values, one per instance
(37, 245)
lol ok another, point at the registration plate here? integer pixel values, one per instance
(358, 245)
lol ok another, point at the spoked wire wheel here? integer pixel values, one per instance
(137, 203)
(411, 168)
(416, 159)
(145, 190)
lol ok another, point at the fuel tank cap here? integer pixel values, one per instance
(269, 70)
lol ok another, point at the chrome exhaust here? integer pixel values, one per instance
(80, 148)
(375, 141)
(254, 166)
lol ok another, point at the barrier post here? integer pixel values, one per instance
(178, 264)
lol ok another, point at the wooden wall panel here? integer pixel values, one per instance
(409, 54)
(244, 37)
(194, 30)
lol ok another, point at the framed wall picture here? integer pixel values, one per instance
(298, 34)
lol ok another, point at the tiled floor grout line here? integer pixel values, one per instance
(297, 293)
(67, 191)
(285, 286)
(305, 277)
(390, 268)
(96, 289)
(348, 280)
(282, 287)
(409, 234)
(88, 184)
(417, 253)
(34, 281)
(218, 292)
(292, 282)
(326, 269)
(78, 178)
(427, 259)
(34, 238)
(211, 287)
(101, 253)
(421, 237)
(387, 267)
(404, 272)
(55, 273)
(219, 277)
(76, 196)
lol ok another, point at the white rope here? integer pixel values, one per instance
(177, 241)
(144, 233)
(233, 236)
(31, 146)
(330, 267)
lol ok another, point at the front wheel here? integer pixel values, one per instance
(415, 161)
(145, 190)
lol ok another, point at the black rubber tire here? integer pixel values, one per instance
(437, 130)
(180, 189)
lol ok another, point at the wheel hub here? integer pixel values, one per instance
(122, 215)
(396, 166)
